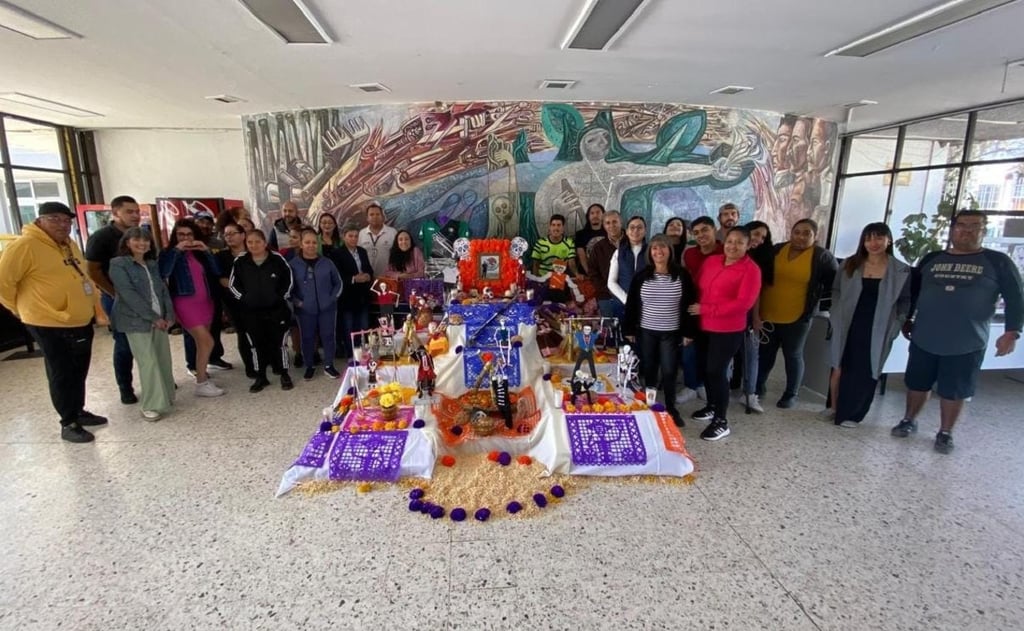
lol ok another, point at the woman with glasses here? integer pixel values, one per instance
(261, 282)
(804, 272)
(870, 303)
(191, 271)
(328, 235)
(234, 241)
(728, 285)
(315, 293)
(628, 261)
(143, 311)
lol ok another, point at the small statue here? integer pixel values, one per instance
(501, 395)
(387, 298)
(558, 284)
(581, 384)
(585, 341)
(626, 370)
(371, 368)
(488, 293)
(387, 333)
(425, 375)
(503, 340)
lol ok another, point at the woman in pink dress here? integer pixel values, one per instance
(187, 266)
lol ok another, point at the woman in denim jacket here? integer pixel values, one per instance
(187, 265)
(143, 312)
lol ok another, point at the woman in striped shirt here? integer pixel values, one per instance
(656, 313)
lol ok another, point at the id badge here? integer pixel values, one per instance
(87, 287)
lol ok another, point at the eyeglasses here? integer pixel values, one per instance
(184, 235)
(970, 227)
(635, 228)
(232, 233)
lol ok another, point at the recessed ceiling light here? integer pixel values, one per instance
(946, 14)
(602, 22)
(557, 84)
(46, 104)
(731, 89)
(31, 25)
(225, 98)
(860, 103)
(370, 87)
(291, 20)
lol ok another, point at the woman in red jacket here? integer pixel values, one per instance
(728, 285)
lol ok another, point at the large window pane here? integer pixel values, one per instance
(999, 133)
(1006, 234)
(33, 145)
(861, 201)
(994, 187)
(935, 142)
(34, 188)
(872, 152)
(922, 203)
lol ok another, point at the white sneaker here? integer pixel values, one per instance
(754, 403)
(685, 395)
(849, 424)
(828, 414)
(191, 372)
(150, 415)
(702, 394)
(208, 389)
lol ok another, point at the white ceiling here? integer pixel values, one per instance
(149, 63)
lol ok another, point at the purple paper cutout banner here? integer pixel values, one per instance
(423, 287)
(606, 440)
(315, 452)
(367, 456)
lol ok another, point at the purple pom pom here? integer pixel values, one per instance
(458, 514)
(482, 515)
(517, 344)
(458, 349)
(351, 391)
(514, 507)
(658, 407)
(425, 507)
(416, 494)
(419, 423)
(540, 500)
(457, 430)
(352, 363)
(504, 459)
(456, 302)
(547, 376)
(325, 426)
(436, 512)
(416, 506)
(557, 491)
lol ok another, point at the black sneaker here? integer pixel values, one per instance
(706, 413)
(219, 364)
(75, 433)
(787, 401)
(128, 397)
(88, 419)
(331, 372)
(904, 428)
(259, 384)
(286, 381)
(251, 374)
(717, 430)
(308, 375)
(676, 417)
(944, 442)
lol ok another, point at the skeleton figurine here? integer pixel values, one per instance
(581, 384)
(488, 293)
(387, 333)
(409, 340)
(626, 374)
(385, 297)
(501, 395)
(371, 368)
(585, 341)
(373, 344)
(425, 375)
(559, 286)
(503, 340)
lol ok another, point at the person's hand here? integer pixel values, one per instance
(1006, 343)
(182, 246)
(631, 339)
(908, 328)
(687, 341)
(162, 324)
(694, 309)
(199, 245)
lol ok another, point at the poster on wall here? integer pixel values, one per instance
(502, 169)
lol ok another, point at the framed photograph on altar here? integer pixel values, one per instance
(490, 267)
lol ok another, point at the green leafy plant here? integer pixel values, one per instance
(923, 233)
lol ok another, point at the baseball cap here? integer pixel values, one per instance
(54, 208)
(203, 214)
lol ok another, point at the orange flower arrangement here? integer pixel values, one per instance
(469, 267)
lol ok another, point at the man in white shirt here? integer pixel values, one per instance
(377, 238)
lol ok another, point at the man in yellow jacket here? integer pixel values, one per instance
(43, 282)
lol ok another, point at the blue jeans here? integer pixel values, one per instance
(611, 308)
(323, 324)
(791, 339)
(123, 358)
(691, 377)
(352, 321)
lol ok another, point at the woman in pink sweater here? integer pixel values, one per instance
(728, 286)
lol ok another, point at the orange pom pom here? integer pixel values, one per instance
(448, 461)
(378, 426)
(403, 424)
(493, 456)
(524, 459)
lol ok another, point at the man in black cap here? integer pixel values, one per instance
(44, 283)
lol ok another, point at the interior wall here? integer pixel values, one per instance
(147, 164)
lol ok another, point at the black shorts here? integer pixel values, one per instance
(956, 375)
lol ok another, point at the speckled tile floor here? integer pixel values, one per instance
(793, 524)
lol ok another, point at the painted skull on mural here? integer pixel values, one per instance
(503, 222)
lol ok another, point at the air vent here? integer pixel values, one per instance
(557, 84)
(370, 88)
(601, 23)
(226, 98)
(732, 89)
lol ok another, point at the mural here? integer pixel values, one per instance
(503, 168)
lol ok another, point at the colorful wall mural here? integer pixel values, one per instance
(505, 167)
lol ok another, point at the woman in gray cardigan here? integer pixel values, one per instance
(143, 311)
(870, 302)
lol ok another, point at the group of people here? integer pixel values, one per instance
(213, 273)
(721, 304)
(724, 306)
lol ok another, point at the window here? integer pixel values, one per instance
(862, 201)
(988, 196)
(874, 152)
(32, 144)
(935, 142)
(999, 134)
(1017, 197)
